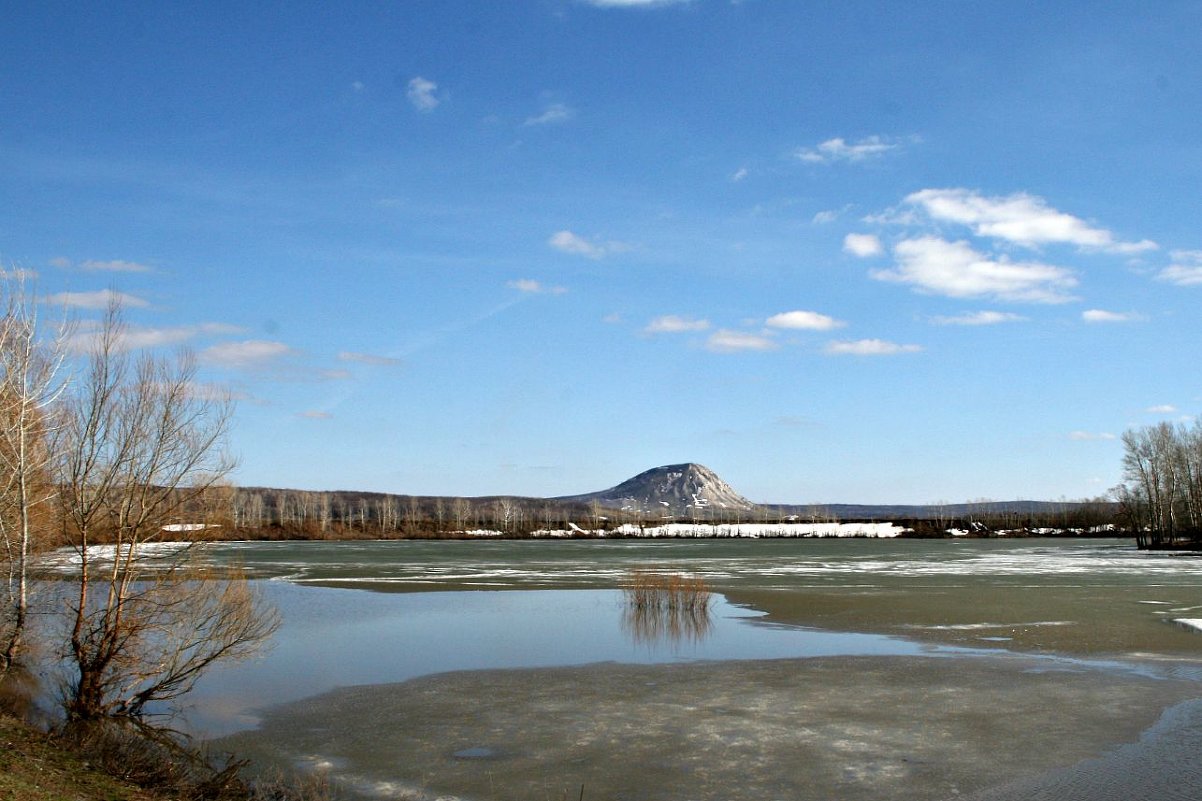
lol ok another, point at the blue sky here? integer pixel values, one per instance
(836, 251)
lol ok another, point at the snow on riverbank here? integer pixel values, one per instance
(739, 530)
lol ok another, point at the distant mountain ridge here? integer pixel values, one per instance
(671, 490)
(681, 492)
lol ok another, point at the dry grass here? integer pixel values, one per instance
(650, 590)
(157, 762)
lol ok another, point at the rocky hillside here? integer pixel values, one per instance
(677, 490)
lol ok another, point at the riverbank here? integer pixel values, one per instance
(37, 766)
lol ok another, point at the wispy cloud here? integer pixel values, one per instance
(1020, 218)
(532, 287)
(568, 242)
(1186, 269)
(215, 392)
(250, 353)
(367, 358)
(933, 265)
(421, 94)
(1090, 436)
(1103, 316)
(803, 321)
(725, 340)
(793, 421)
(100, 299)
(738, 175)
(869, 347)
(979, 318)
(315, 415)
(134, 337)
(93, 265)
(1163, 408)
(553, 114)
(632, 3)
(863, 245)
(839, 149)
(115, 266)
(673, 324)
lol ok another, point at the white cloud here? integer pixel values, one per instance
(135, 337)
(673, 324)
(803, 321)
(248, 353)
(567, 242)
(115, 266)
(825, 217)
(367, 358)
(421, 94)
(739, 175)
(552, 115)
(1164, 408)
(979, 318)
(1181, 275)
(726, 341)
(532, 287)
(862, 245)
(934, 265)
(839, 149)
(1103, 316)
(315, 415)
(869, 347)
(1020, 218)
(1186, 269)
(96, 300)
(1090, 436)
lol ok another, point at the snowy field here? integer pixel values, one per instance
(742, 530)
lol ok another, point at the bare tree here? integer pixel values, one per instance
(413, 514)
(324, 511)
(140, 452)
(1162, 496)
(440, 513)
(461, 510)
(29, 387)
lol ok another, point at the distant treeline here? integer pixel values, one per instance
(266, 513)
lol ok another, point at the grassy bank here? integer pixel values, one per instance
(35, 766)
(118, 764)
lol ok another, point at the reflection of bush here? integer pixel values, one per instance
(667, 606)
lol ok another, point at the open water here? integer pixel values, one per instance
(380, 616)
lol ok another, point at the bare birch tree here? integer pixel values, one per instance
(140, 451)
(1162, 496)
(30, 384)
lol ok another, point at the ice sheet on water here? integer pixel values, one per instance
(66, 560)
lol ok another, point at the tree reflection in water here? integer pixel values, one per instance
(666, 607)
(647, 625)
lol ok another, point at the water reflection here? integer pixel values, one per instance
(666, 607)
(667, 624)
